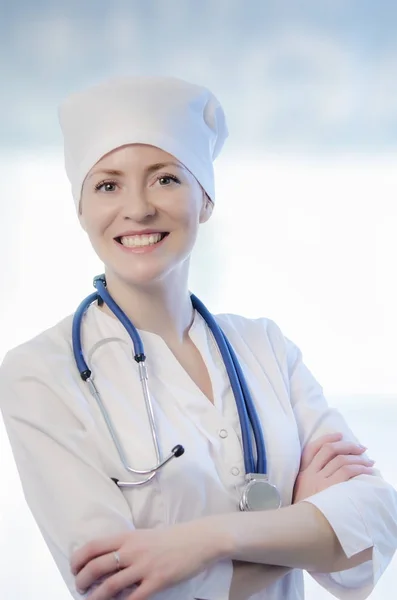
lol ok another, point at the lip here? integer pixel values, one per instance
(141, 232)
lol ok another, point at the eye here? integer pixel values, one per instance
(165, 180)
(105, 186)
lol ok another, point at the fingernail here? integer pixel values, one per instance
(362, 447)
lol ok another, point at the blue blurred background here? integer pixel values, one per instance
(306, 212)
(302, 76)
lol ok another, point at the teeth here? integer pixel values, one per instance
(141, 240)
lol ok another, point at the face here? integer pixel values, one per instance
(141, 209)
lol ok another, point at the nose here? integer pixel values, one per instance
(137, 206)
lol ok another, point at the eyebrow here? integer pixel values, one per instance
(149, 170)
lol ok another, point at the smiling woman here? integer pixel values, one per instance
(269, 480)
(150, 205)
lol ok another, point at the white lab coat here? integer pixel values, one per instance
(66, 458)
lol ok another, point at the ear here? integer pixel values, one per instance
(207, 208)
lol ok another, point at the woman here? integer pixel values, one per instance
(139, 154)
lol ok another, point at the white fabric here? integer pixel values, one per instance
(184, 119)
(66, 458)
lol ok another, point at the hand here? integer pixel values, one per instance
(327, 461)
(153, 559)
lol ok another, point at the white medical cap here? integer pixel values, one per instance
(181, 118)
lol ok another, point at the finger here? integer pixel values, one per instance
(344, 460)
(348, 472)
(332, 449)
(110, 587)
(96, 569)
(93, 549)
(310, 451)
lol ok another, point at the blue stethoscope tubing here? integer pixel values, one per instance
(251, 430)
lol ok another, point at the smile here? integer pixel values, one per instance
(139, 241)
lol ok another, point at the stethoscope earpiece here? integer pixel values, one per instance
(178, 451)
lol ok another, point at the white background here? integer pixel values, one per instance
(306, 211)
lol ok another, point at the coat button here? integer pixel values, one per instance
(235, 471)
(223, 433)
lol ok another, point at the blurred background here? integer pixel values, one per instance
(306, 211)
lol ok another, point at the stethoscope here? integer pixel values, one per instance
(258, 492)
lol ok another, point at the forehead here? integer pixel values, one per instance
(139, 154)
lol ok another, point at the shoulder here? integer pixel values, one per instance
(39, 383)
(253, 331)
(264, 338)
(262, 341)
(40, 353)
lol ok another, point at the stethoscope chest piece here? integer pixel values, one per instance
(259, 494)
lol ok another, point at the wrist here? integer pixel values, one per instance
(244, 535)
(218, 535)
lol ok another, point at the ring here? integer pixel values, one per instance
(116, 557)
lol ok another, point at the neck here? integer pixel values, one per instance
(163, 308)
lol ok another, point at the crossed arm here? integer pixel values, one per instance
(69, 515)
(298, 536)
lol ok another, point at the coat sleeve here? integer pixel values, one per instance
(69, 495)
(362, 511)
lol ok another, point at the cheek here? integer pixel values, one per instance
(187, 208)
(187, 220)
(95, 219)
(98, 240)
